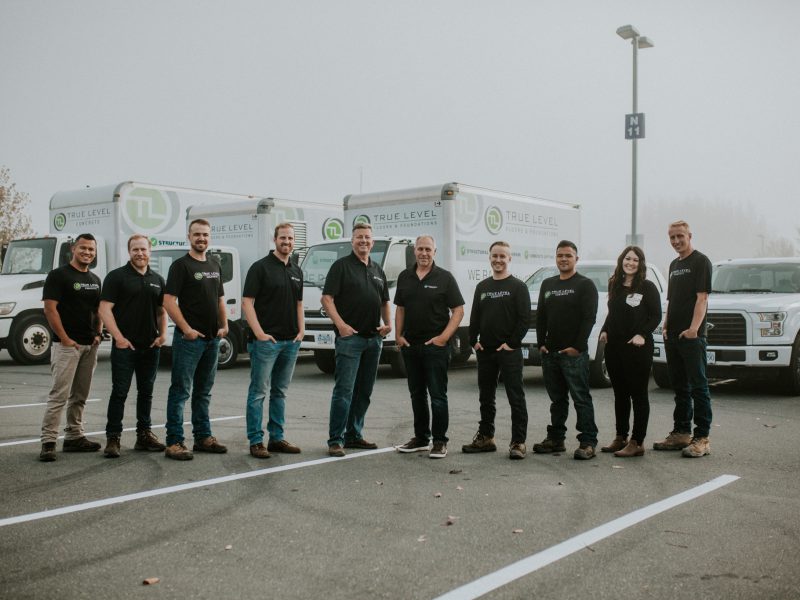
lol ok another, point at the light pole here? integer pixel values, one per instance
(634, 123)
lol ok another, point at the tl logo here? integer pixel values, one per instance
(493, 219)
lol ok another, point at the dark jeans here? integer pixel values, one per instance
(566, 376)
(124, 363)
(686, 360)
(491, 365)
(194, 367)
(629, 369)
(427, 374)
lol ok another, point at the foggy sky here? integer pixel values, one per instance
(298, 99)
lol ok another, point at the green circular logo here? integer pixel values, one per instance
(361, 219)
(59, 221)
(493, 219)
(198, 276)
(76, 286)
(153, 242)
(463, 249)
(526, 255)
(332, 229)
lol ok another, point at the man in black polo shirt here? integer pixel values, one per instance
(429, 310)
(272, 303)
(131, 309)
(356, 297)
(194, 300)
(71, 294)
(499, 320)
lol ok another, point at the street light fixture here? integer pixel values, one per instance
(634, 123)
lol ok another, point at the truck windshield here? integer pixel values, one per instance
(318, 260)
(33, 256)
(757, 278)
(599, 274)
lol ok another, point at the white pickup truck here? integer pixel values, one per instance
(599, 271)
(753, 323)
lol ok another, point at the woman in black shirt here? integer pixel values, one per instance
(634, 311)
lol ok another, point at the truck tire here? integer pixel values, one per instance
(325, 360)
(228, 351)
(30, 340)
(598, 372)
(397, 363)
(661, 375)
(790, 378)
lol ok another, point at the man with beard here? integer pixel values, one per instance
(195, 301)
(272, 303)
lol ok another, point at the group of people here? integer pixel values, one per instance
(133, 304)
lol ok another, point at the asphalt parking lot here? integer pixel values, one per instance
(383, 525)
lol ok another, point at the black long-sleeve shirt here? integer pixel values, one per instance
(500, 312)
(631, 314)
(566, 313)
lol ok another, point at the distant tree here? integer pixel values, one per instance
(14, 218)
(778, 247)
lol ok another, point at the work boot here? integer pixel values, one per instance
(112, 447)
(549, 445)
(48, 453)
(209, 444)
(80, 444)
(633, 448)
(178, 451)
(282, 446)
(674, 441)
(517, 451)
(700, 446)
(585, 452)
(618, 444)
(480, 443)
(259, 451)
(147, 441)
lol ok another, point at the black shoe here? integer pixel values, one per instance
(549, 445)
(360, 444)
(146, 441)
(415, 444)
(48, 453)
(80, 445)
(439, 450)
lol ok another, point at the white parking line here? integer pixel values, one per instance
(40, 404)
(61, 437)
(514, 571)
(179, 488)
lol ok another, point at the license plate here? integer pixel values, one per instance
(711, 357)
(324, 339)
(525, 351)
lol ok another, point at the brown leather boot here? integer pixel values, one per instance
(633, 448)
(618, 444)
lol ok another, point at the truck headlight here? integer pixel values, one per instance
(7, 307)
(775, 323)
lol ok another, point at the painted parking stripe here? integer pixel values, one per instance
(181, 488)
(61, 437)
(528, 565)
(40, 404)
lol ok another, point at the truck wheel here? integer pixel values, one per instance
(790, 378)
(661, 375)
(30, 340)
(325, 360)
(598, 372)
(398, 364)
(228, 351)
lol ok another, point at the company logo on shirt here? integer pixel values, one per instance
(495, 295)
(430, 287)
(679, 272)
(558, 293)
(208, 275)
(85, 286)
(155, 285)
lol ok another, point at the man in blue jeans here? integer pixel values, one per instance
(272, 302)
(685, 345)
(356, 297)
(131, 307)
(565, 314)
(195, 300)
(429, 309)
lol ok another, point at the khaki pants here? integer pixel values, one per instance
(72, 370)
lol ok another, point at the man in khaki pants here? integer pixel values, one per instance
(71, 296)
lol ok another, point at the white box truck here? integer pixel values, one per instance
(111, 213)
(242, 233)
(464, 220)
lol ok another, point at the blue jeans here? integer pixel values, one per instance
(686, 361)
(492, 364)
(124, 363)
(194, 366)
(566, 375)
(356, 368)
(271, 369)
(427, 374)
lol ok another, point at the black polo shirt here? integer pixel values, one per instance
(276, 288)
(427, 302)
(198, 287)
(358, 292)
(136, 298)
(78, 295)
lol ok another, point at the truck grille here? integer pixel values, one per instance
(728, 329)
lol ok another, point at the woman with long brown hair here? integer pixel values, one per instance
(634, 311)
